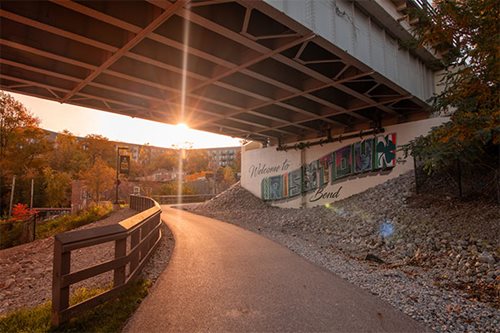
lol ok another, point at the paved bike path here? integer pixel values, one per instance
(222, 278)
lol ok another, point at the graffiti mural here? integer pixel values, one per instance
(363, 156)
(310, 176)
(343, 162)
(276, 187)
(386, 151)
(325, 168)
(295, 182)
(369, 155)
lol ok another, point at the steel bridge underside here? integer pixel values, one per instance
(251, 71)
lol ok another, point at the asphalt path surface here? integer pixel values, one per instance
(222, 278)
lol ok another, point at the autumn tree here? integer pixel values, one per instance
(467, 33)
(168, 160)
(68, 155)
(196, 161)
(99, 147)
(57, 187)
(22, 144)
(236, 163)
(142, 166)
(100, 177)
(229, 175)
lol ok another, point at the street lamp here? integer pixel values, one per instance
(118, 169)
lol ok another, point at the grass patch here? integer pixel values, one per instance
(107, 317)
(69, 222)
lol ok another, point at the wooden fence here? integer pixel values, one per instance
(135, 239)
(174, 199)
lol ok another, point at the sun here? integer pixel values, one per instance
(182, 126)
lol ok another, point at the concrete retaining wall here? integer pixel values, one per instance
(323, 174)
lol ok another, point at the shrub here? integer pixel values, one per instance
(69, 222)
(107, 317)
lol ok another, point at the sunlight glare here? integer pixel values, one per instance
(182, 126)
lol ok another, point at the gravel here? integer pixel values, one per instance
(435, 258)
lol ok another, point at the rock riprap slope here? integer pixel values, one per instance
(435, 258)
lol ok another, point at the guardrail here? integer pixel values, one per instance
(173, 199)
(135, 239)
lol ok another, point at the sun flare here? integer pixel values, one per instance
(182, 126)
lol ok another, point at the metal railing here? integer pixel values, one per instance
(425, 5)
(142, 233)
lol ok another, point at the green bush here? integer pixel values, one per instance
(11, 234)
(69, 222)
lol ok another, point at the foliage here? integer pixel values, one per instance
(99, 178)
(22, 144)
(172, 188)
(11, 233)
(72, 221)
(58, 188)
(229, 175)
(13, 118)
(196, 161)
(469, 31)
(236, 163)
(107, 317)
(68, 155)
(21, 212)
(98, 147)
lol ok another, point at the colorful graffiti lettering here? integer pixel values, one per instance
(295, 183)
(371, 154)
(310, 176)
(363, 156)
(343, 162)
(386, 151)
(325, 166)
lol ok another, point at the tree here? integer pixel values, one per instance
(58, 187)
(22, 144)
(13, 117)
(68, 155)
(99, 147)
(236, 163)
(196, 161)
(166, 160)
(99, 178)
(468, 31)
(172, 188)
(229, 176)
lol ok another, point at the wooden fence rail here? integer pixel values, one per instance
(143, 230)
(173, 199)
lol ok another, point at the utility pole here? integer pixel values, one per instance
(32, 190)
(12, 194)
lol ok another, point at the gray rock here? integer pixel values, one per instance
(486, 257)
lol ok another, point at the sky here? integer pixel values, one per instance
(81, 121)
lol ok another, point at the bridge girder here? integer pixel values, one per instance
(251, 72)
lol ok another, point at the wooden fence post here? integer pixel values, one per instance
(134, 241)
(60, 294)
(119, 275)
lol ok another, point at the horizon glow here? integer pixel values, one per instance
(82, 121)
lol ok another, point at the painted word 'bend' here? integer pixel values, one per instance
(322, 194)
